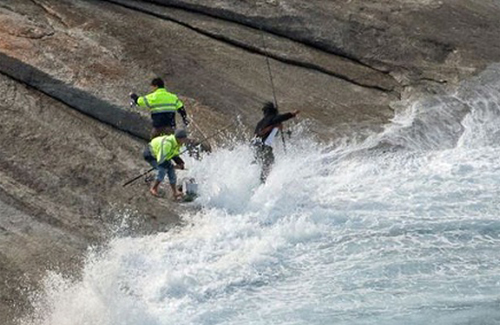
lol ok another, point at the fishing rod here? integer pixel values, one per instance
(272, 82)
(200, 131)
(183, 151)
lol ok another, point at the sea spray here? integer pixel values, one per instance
(353, 233)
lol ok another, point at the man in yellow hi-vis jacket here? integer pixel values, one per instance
(163, 106)
(160, 153)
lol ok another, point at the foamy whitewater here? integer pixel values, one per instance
(403, 228)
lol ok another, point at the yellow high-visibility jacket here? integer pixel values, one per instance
(164, 148)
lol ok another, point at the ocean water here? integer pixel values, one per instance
(402, 228)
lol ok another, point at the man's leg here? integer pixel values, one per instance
(172, 178)
(267, 159)
(159, 178)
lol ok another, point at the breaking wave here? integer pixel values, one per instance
(402, 228)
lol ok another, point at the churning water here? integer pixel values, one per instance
(403, 228)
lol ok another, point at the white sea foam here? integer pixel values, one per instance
(403, 228)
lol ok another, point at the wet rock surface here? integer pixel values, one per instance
(70, 140)
(61, 189)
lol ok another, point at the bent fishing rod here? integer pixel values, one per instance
(183, 151)
(272, 83)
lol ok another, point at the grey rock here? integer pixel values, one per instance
(66, 68)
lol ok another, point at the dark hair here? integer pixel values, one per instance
(158, 82)
(269, 109)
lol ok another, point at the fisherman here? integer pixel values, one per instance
(264, 135)
(160, 153)
(162, 106)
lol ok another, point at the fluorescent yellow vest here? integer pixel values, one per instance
(160, 101)
(164, 148)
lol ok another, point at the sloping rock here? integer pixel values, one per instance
(69, 138)
(61, 176)
(412, 40)
(97, 48)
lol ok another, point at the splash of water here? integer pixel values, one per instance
(402, 228)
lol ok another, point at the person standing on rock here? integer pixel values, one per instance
(264, 135)
(163, 105)
(160, 153)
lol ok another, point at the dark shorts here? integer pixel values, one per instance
(166, 119)
(265, 158)
(264, 154)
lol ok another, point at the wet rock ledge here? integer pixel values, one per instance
(69, 138)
